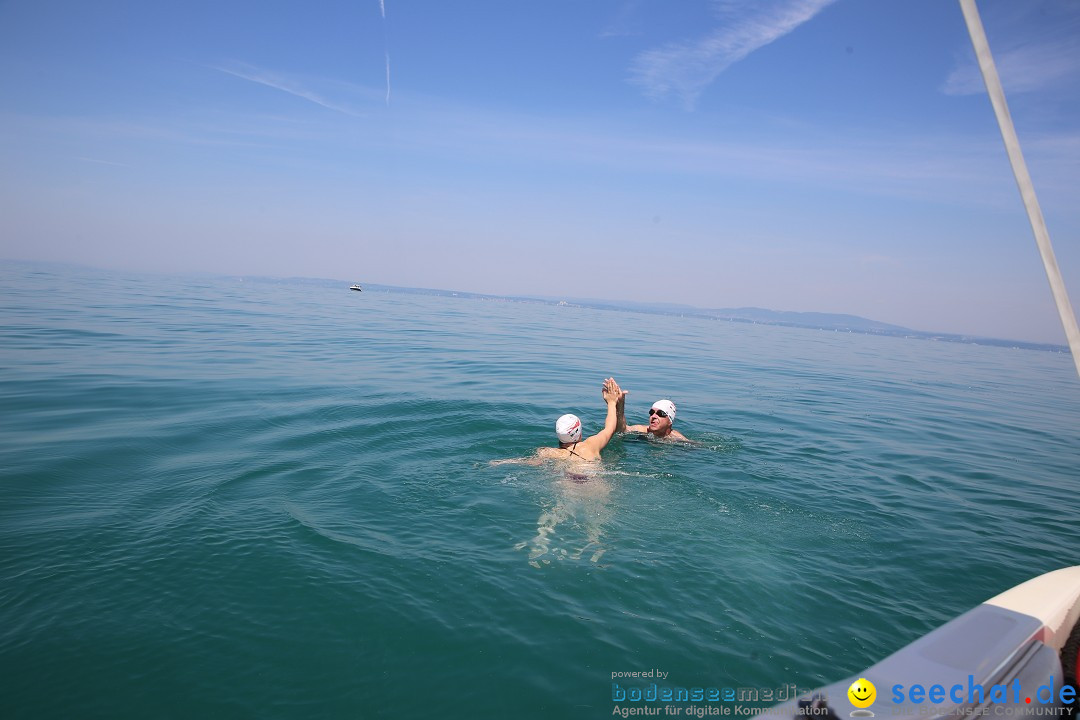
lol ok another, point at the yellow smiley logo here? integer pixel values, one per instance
(862, 693)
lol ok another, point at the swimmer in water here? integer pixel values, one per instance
(661, 419)
(568, 429)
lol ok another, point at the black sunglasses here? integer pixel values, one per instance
(654, 411)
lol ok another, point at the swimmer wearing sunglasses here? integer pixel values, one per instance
(661, 418)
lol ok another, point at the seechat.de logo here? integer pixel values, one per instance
(862, 695)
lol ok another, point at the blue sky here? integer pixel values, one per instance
(813, 155)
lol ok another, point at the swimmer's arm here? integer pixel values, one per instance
(531, 460)
(538, 458)
(620, 412)
(636, 428)
(598, 441)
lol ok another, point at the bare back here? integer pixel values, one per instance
(580, 452)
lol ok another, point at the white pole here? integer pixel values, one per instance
(1023, 180)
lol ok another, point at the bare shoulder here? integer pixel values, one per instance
(637, 428)
(676, 435)
(589, 448)
(550, 452)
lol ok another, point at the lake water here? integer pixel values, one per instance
(243, 498)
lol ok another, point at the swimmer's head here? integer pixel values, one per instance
(568, 428)
(661, 417)
(663, 408)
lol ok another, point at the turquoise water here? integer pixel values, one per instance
(256, 499)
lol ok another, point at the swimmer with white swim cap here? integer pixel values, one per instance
(568, 430)
(661, 419)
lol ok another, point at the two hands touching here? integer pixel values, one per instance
(611, 391)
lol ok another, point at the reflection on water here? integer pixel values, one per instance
(295, 480)
(580, 505)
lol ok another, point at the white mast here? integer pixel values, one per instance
(1023, 180)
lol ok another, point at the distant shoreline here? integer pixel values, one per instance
(749, 315)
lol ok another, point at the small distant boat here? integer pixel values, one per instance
(357, 288)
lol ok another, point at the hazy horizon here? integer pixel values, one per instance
(812, 155)
(619, 304)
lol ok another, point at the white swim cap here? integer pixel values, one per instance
(568, 428)
(667, 406)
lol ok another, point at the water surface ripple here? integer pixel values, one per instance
(272, 499)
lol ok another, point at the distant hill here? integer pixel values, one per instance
(822, 321)
(759, 316)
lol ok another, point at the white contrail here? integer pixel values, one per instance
(285, 84)
(388, 79)
(686, 68)
(1025, 69)
(101, 162)
(386, 49)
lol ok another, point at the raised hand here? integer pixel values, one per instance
(612, 392)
